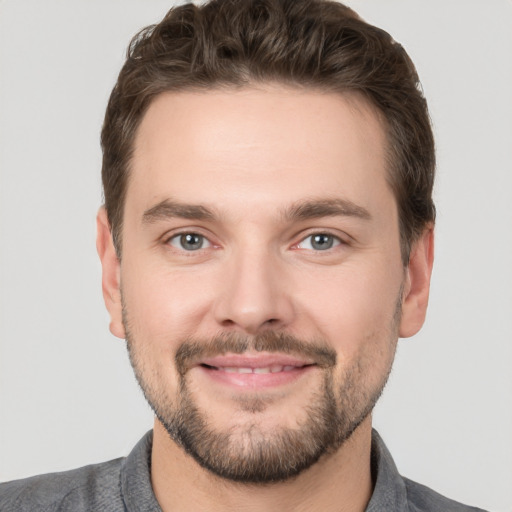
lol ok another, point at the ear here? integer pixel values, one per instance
(111, 273)
(417, 284)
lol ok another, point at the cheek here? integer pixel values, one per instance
(357, 317)
(351, 309)
(162, 303)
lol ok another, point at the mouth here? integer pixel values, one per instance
(254, 370)
(258, 370)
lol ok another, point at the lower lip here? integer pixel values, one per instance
(255, 380)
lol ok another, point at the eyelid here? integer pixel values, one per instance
(188, 230)
(338, 237)
(177, 236)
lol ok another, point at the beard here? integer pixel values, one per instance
(249, 453)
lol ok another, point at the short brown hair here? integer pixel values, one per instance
(320, 44)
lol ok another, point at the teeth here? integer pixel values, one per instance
(261, 370)
(266, 369)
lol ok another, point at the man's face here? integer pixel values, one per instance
(261, 276)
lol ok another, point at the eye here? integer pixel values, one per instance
(319, 242)
(189, 241)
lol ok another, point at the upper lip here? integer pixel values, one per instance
(257, 360)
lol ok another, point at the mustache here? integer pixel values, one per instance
(191, 351)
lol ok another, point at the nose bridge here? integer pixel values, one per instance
(253, 294)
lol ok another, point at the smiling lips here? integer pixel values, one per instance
(265, 369)
(255, 371)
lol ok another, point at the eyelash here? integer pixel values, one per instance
(334, 240)
(180, 236)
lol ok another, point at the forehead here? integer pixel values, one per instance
(266, 143)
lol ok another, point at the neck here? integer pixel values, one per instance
(337, 482)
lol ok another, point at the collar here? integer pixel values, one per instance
(389, 491)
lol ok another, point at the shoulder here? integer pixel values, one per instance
(94, 487)
(394, 492)
(423, 499)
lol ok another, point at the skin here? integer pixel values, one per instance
(248, 156)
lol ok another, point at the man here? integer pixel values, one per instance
(267, 236)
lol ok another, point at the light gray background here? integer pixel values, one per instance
(67, 395)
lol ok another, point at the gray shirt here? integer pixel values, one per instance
(124, 485)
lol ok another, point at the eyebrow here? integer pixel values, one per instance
(303, 210)
(314, 209)
(168, 209)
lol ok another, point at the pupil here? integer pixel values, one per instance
(191, 241)
(322, 241)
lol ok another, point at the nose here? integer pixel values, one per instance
(254, 294)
